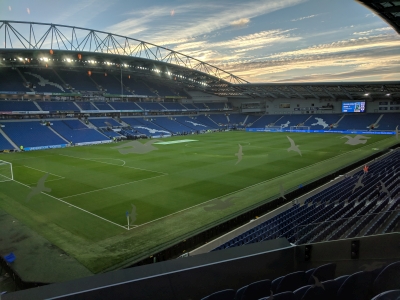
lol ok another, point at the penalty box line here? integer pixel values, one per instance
(114, 186)
(77, 207)
(60, 177)
(101, 162)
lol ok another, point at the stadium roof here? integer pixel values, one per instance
(63, 44)
(43, 44)
(387, 10)
(323, 91)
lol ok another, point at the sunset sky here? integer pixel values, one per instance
(260, 41)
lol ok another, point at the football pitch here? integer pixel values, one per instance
(81, 198)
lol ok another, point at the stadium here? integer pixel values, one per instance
(130, 170)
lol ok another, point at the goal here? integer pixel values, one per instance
(274, 128)
(6, 171)
(300, 129)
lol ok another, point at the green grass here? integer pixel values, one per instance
(92, 187)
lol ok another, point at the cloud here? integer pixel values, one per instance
(198, 19)
(304, 18)
(82, 12)
(372, 31)
(371, 58)
(236, 50)
(241, 22)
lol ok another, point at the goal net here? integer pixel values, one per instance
(273, 128)
(6, 172)
(300, 129)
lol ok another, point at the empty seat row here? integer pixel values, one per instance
(321, 284)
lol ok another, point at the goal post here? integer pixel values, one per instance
(300, 129)
(6, 171)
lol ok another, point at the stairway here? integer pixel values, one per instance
(245, 120)
(277, 120)
(90, 125)
(337, 123)
(23, 78)
(376, 124)
(8, 139)
(77, 106)
(37, 105)
(258, 118)
(162, 105)
(213, 121)
(49, 127)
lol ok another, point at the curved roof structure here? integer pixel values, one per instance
(329, 91)
(387, 10)
(16, 35)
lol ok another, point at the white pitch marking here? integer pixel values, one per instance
(95, 159)
(113, 164)
(254, 185)
(42, 171)
(74, 206)
(110, 187)
(48, 180)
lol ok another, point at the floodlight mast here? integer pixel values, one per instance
(71, 38)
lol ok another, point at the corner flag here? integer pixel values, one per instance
(127, 217)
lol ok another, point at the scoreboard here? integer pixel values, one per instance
(353, 106)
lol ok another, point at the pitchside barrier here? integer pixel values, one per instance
(320, 131)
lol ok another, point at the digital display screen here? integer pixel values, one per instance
(353, 106)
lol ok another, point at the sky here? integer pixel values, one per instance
(260, 41)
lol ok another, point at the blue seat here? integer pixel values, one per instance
(356, 287)
(281, 296)
(341, 279)
(221, 295)
(388, 295)
(292, 282)
(275, 283)
(299, 293)
(256, 290)
(323, 273)
(309, 273)
(240, 292)
(388, 279)
(328, 292)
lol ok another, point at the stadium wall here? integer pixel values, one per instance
(198, 276)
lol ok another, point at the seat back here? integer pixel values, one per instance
(275, 283)
(292, 282)
(388, 279)
(257, 290)
(388, 295)
(309, 273)
(282, 296)
(299, 293)
(240, 292)
(355, 287)
(341, 279)
(323, 273)
(221, 295)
